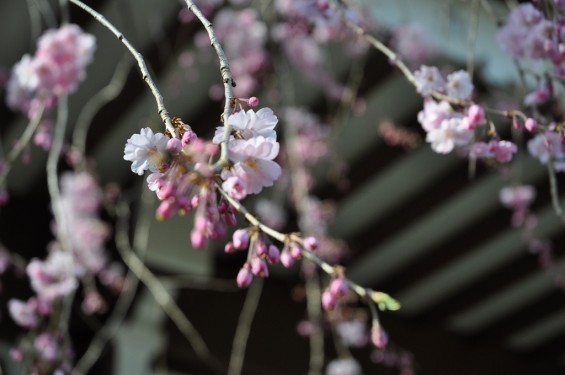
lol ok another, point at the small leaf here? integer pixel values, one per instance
(385, 302)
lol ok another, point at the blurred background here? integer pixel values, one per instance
(425, 228)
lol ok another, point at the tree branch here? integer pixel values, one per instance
(165, 116)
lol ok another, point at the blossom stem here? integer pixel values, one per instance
(53, 177)
(244, 326)
(281, 237)
(110, 328)
(554, 191)
(163, 113)
(161, 295)
(97, 101)
(314, 308)
(227, 79)
(21, 143)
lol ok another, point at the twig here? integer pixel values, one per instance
(102, 97)
(161, 295)
(192, 282)
(20, 144)
(554, 191)
(281, 237)
(244, 327)
(64, 11)
(313, 297)
(472, 37)
(165, 116)
(47, 12)
(112, 325)
(34, 21)
(227, 79)
(53, 177)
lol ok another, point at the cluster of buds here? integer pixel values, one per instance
(337, 289)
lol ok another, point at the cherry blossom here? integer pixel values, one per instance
(146, 151)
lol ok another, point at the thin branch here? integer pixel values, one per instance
(314, 308)
(165, 116)
(112, 325)
(244, 326)
(193, 282)
(281, 237)
(53, 177)
(34, 21)
(554, 191)
(227, 79)
(108, 93)
(47, 13)
(472, 37)
(21, 144)
(160, 294)
(64, 11)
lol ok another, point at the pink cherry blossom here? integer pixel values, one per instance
(53, 278)
(429, 79)
(146, 150)
(459, 85)
(450, 134)
(250, 124)
(23, 313)
(254, 162)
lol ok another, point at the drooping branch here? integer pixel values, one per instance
(227, 79)
(112, 325)
(97, 101)
(21, 143)
(382, 299)
(165, 116)
(160, 293)
(244, 327)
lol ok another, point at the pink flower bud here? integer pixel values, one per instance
(379, 338)
(531, 125)
(329, 301)
(475, 116)
(188, 137)
(311, 243)
(259, 267)
(229, 248)
(241, 239)
(244, 277)
(253, 101)
(198, 239)
(339, 287)
(295, 252)
(273, 255)
(262, 249)
(287, 259)
(174, 145)
(230, 219)
(166, 209)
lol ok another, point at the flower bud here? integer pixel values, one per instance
(329, 301)
(311, 243)
(339, 287)
(244, 277)
(241, 239)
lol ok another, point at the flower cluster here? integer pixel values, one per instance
(306, 25)
(244, 35)
(448, 128)
(310, 141)
(57, 67)
(528, 34)
(548, 147)
(78, 253)
(252, 149)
